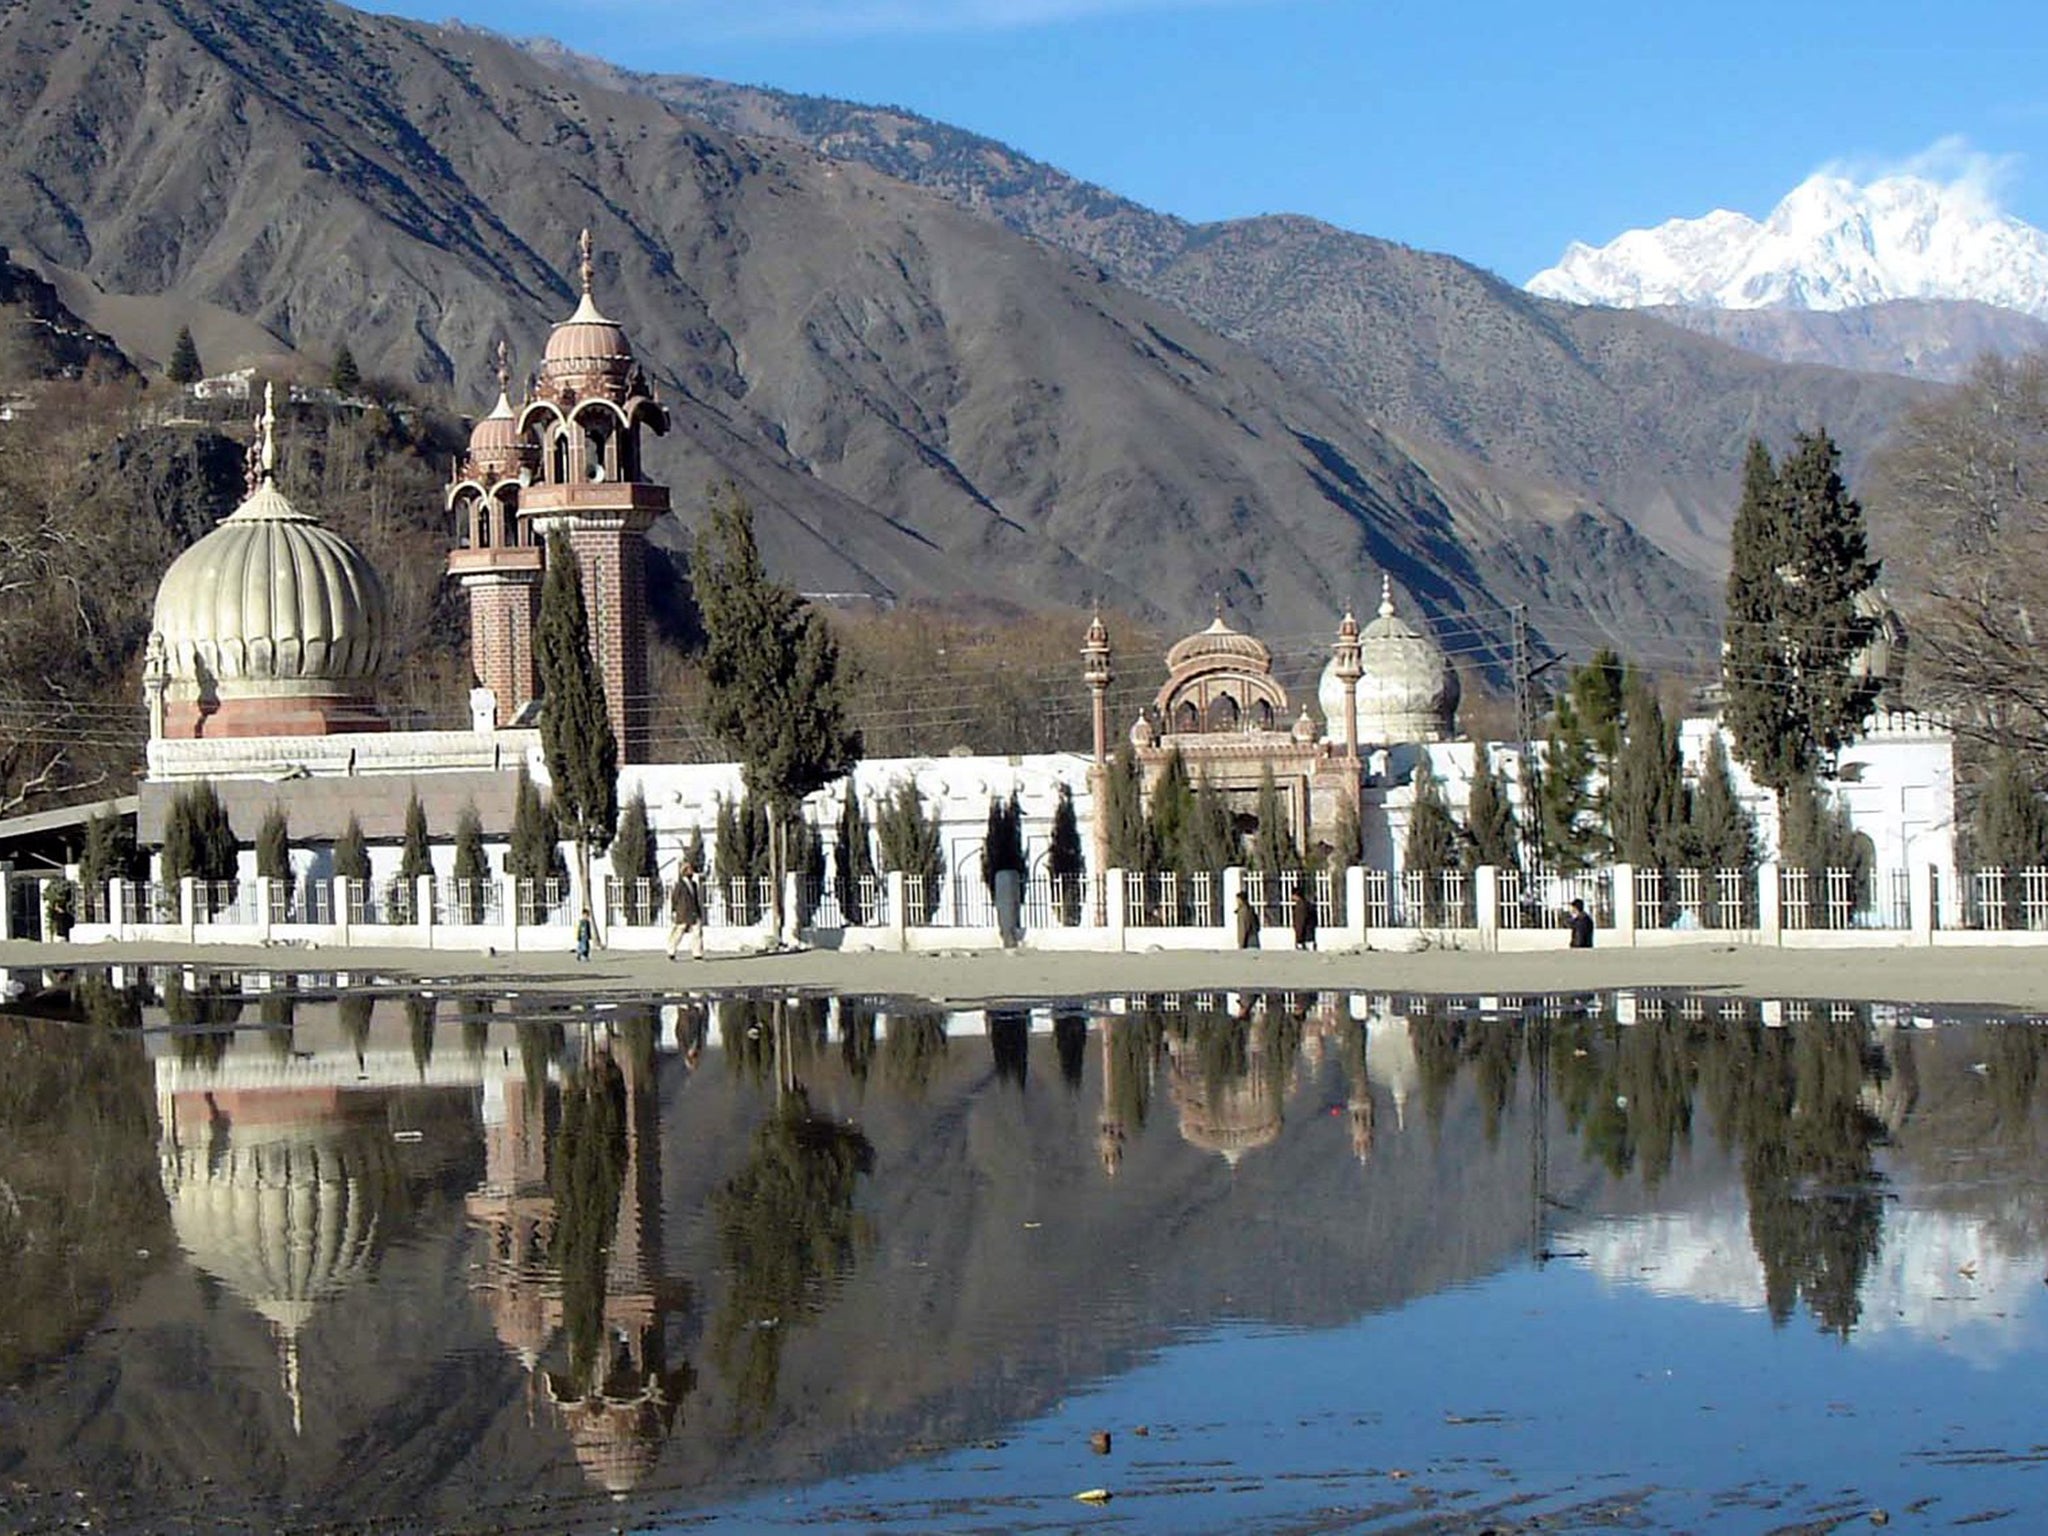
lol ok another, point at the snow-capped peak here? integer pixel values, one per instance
(1831, 244)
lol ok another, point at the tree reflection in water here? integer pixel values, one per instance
(787, 1228)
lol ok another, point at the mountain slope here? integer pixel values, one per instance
(919, 401)
(1566, 406)
(1933, 339)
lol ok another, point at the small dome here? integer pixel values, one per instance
(586, 349)
(1219, 643)
(495, 449)
(1884, 657)
(1408, 691)
(271, 597)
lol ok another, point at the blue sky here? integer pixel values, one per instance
(1497, 132)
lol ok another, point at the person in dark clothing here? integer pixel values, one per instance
(1581, 925)
(686, 913)
(1304, 918)
(1247, 923)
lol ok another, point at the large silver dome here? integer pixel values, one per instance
(1407, 691)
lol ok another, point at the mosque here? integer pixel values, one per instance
(269, 632)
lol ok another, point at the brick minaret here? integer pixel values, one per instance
(583, 423)
(498, 559)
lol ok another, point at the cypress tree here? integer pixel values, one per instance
(1646, 798)
(1721, 834)
(109, 852)
(853, 856)
(198, 840)
(351, 853)
(1432, 844)
(575, 724)
(1064, 860)
(909, 842)
(1002, 846)
(415, 857)
(633, 848)
(345, 378)
(1273, 847)
(472, 867)
(1123, 812)
(1798, 561)
(2011, 825)
(536, 849)
(184, 366)
(1491, 835)
(772, 668)
(1170, 817)
(274, 846)
(1211, 839)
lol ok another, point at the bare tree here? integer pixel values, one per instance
(1960, 510)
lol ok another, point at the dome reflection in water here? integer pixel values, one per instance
(299, 1253)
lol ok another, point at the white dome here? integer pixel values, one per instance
(1407, 692)
(271, 598)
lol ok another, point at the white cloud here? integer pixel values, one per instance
(1951, 163)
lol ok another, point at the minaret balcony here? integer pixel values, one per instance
(505, 561)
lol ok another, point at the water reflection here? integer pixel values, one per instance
(668, 1248)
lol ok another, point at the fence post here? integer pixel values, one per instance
(1486, 904)
(343, 919)
(188, 906)
(1117, 908)
(899, 915)
(1770, 901)
(423, 904)
(1233, 887)
(117, 907)
(508, 911)
(263, 888)
(1920, 901)
(792, 908)
(1624, 878)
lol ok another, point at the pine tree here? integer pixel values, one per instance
(772, 668)
(909, 842)
(1273, 845)
(1492, 837)
(1064, 860)
(1645, 808)
(184, 367)
(1568, 831)
(853, 858)
(472, 867)
(741, 840)
(198, 841)
(351, 853)
(1347, 839)
(1599, 692)
(1798, 561)
(1815, 834)
(575, 724)
(344, 378)
(274, 846)
(1123, 813)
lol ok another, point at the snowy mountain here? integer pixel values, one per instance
(1830, 245)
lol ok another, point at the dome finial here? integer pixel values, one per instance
(589, 262)
(504, 358)
(1386, 596)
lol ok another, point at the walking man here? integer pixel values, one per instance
(686, 913)
(1581, 925)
